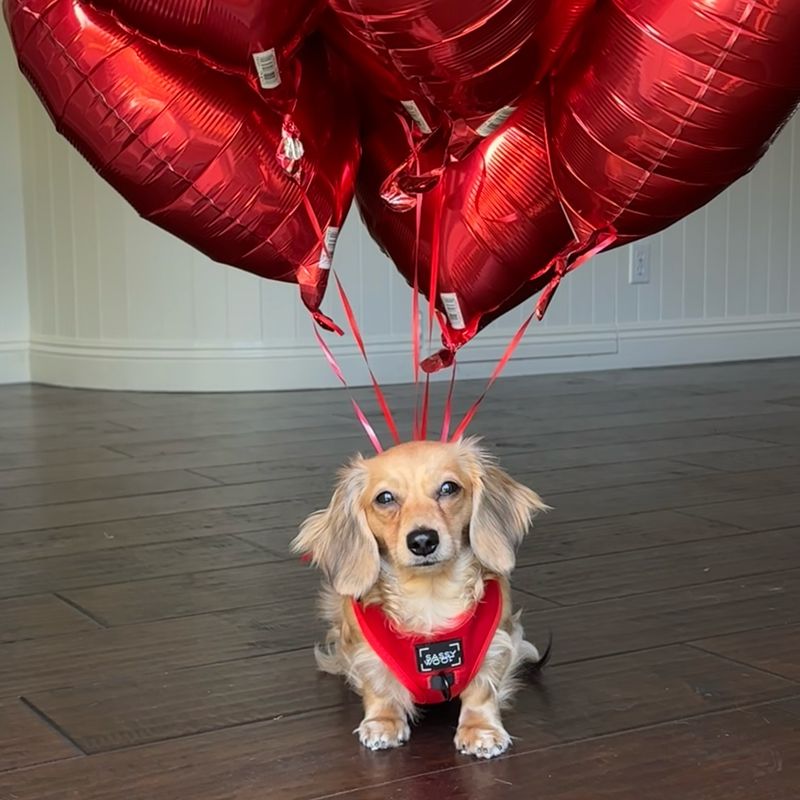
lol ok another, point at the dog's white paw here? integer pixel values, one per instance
(383, 733)
(485, 741)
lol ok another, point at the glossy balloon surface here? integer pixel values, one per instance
(646, 111)
(505, 141)
(194, 150)
(225, 33)
(478, 226)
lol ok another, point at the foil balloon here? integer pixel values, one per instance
(369, 70)
(486, 237)
(557, 32)
(468, 58)
(649, 110)
(505, 140)
(253, 37)
(196, 151)
(461, 63)
(457, 68)
(664, 103)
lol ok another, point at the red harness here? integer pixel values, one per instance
(438, 667)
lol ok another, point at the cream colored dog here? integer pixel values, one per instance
(419, 530)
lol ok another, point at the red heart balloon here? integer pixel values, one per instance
(649, 109)
(196, 151)
(657, 107)
(469, 57)
(493, 225)
(665, 103)
(236, 36)
(463, 64)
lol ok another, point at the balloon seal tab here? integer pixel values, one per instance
(326, 323)
(438, 361)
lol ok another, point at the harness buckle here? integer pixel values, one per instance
(442, 682)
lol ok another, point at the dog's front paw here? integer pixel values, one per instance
(482, 741)
(383, 733)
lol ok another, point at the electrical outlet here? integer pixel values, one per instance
(639, 268)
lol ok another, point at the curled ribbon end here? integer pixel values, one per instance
(438, 361)
(326, 323)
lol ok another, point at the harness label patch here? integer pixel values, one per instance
(439, 655)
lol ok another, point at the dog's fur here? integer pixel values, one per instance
(361, 546)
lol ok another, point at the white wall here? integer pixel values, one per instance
(13, 286)
(117, 303)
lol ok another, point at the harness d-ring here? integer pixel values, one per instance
(442, 682)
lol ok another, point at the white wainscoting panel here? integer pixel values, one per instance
(117, 303)
(14, 325)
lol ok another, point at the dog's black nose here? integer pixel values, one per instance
(422, 542)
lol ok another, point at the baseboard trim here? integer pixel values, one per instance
(164, 366)
(665, 343)
(160, 366)
(14, 363)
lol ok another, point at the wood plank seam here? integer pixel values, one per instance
(52, 724)
(279, 556)
(733, 535)
(511, 754)
(741, 663)
(82, 611)
(632, 650)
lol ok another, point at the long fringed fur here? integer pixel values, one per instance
(364, 556)
(345, 654)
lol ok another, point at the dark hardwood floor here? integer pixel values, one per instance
(155, 633)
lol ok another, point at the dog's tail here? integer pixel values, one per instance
(538, 661)
(541, 663)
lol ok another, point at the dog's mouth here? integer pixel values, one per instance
(427, 563)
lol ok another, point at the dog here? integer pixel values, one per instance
(417, 545)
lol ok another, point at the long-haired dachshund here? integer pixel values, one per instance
(417, 545)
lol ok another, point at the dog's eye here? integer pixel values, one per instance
(448, 488)
(384, 498)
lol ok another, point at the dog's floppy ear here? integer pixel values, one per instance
(502, 511)
(338, 538)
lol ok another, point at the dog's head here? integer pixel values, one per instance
(418, 506)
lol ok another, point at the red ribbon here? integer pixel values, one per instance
(433, 288)
(499, 367)
(415, 321)
(448, 407)
(564, 263)
(337, 371)
(426, 393)
(356, 331)
(380, 397)
(419, 429)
